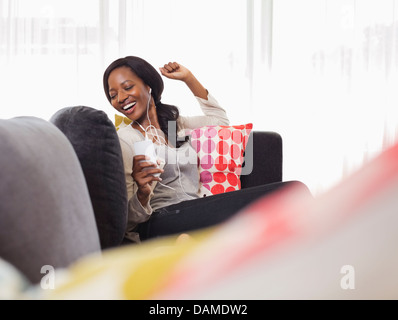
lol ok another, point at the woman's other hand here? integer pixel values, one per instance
(144, 175)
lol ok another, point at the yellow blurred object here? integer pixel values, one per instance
(134, 272)
(121, 122)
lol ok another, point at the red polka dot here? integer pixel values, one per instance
(232, 166)
(217, 189)
(219, 177)
(238, 171)
(235, 152)
(224, 134)
(196, 134)
(232, 179)
(239, 127)
(210, 132)
(196, 145)
(237, 136)
(208, 146)
(206, 162)
(230, 189)
(221, 163)
(205, 177)
(222, 148)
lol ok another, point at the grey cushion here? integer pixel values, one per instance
(97, 146)
(45, 209)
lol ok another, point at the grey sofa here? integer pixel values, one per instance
(46, 216)
(63, 191)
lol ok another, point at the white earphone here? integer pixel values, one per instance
(164, 142)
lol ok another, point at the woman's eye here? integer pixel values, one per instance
(128, 88)
(113, 97)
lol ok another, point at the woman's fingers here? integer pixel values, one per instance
(148, 180)
(171, 66)
(145, 164)
(151, 172)
(171, 70)
(168, 68)
(141, 162)
(144, 172)
(139, 158)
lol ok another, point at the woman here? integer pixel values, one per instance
(169, 203)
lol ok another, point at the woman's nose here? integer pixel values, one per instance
(121, 97)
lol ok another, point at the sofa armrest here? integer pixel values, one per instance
(46, 217)
(263, 159)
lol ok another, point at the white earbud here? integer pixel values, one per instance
(150, 90)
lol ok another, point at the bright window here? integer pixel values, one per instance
(322, 73)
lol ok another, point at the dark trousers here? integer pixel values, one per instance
(204, 212)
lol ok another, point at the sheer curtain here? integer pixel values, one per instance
(53, 52)
(333, 93)
(323, 73)
(49, 56)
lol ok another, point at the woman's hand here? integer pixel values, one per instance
(143, 175)
(176, 71)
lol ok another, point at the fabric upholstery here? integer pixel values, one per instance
(263, 159)
(45, 209)
(97, 146)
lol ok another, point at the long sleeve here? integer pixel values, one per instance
(136, 212)
(214, 114)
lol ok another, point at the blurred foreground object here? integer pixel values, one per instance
(341, 245)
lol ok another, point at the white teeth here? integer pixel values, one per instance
(129, 106)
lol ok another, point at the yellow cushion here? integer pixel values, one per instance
(121, 122)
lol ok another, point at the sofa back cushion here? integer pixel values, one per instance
(263, 159)
(97, 146)
(45, 209)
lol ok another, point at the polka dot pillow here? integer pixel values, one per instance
(220, 152)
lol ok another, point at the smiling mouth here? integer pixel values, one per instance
(129, 106)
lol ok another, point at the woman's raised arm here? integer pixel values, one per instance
(176, 71)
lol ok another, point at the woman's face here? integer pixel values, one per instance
(129, 94)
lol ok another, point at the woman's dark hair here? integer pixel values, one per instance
(152, 78)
